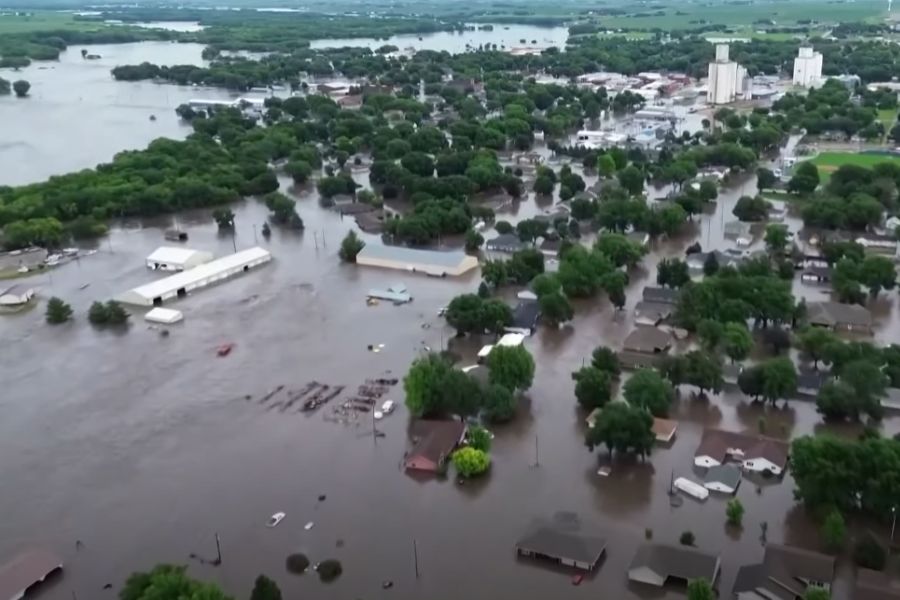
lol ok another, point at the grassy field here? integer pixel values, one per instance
(828, 162)
(887, 116)
(41, 21)
(682, 16)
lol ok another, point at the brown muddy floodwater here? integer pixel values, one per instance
(144, 447)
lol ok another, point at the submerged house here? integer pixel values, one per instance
(525, 317)
(839, 316)
(645, 347)
(16, 295)
(563, 542)
(785, 572)
(433, 443)
(431, 262)
(755, 453)
(657, 564)
(656, 305)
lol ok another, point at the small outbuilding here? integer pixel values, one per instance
(435, 263)
(164, 316)
(656, 564)
(16, 295)
(170, 258)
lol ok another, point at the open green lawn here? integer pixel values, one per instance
(29, 21)
(683, 16)
(887, 116)
(828, 162)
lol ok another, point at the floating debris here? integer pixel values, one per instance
(322, 497)
(387, 584)
(308, 526)
(275, 519)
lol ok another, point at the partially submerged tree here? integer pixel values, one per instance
(647, 389)
(350, 247)
(511, 366)
(57, 311)
(470, 462)
(622, 428)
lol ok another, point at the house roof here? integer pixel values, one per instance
(18, 289)
(558, 540)
(174, 255)
(653, 311)
(811, 380)
(648, 340)
(505, 241)
(435, 439)
(835, 313)
(664, 429)
(785, 569)
(728, 475)
(526, 314)
(874, 585)
(716, 443)
(661, 295)
(676, 561)
(400, 254)
(26, 570)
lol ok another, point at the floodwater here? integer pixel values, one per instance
(144, 447)
(77, 115)
(504, 36)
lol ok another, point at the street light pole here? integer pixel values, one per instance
(893, 522)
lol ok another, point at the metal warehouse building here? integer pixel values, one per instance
(180, 284)
(430, 262)
(167, 258)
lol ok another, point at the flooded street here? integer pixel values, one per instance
(144, 447)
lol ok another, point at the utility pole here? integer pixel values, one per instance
(893, 522)
(416, 557)
(537, 459)
(218, 550)
(234, 240)
(255, 241)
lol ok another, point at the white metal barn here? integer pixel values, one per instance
(169, 258)
(180, 284)
(16, 295)
(430, 262)
(166, 316)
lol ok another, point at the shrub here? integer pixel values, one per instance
(470, 462)
(329, 570)
(686, 539)
(734, 512)
(297, 563)
(58, 311)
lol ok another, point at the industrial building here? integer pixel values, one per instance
(727, 79)
(169, 258)
(180, 284)
(807, 67)
(430, 262)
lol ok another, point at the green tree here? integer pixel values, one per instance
(21, 88)
(466, 314)
(479, 438)
(672, 273)
(265, 589)
(593, 387)
(779, 379)
(622, 428)
(224, 218)
(299, 170)
(499, 404)
(632, 179)
(834, 531)
(98, 314)
(484, 291)
(815, 343)
(619, 249)
(816, 593)
(555, 308)
(543, 185)
(424, 386)
(805, 179)
(283, 210)
(737, 341)
(704, 371)
(710, 265)
(751, 208)
(868, 383)
(57, 311)
(511, 366)
(351, 245)
(734, 512)
(470, 462)
(606, 166)
(647, 389)
(474, 240)
(878, 273)
(700, 589)
(606, 359)
(765, 179)
(168, 581)
(116, 315)
(868, 553)
(546, 283)
(776, 238)
(710, 333)
(708, 190)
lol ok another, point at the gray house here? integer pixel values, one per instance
(505, 242)
(786, 572)
(840, 317)
(656, 564)
(562, 542)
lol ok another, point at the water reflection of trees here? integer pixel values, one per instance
(628, 487)
(777, 421)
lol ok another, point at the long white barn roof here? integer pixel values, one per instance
(201, 272)
(172, 255)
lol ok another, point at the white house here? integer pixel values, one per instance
(170, 258)
(16, 295)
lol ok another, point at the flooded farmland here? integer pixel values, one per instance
(145, 447)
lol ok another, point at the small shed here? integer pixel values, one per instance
(170, 258)
(16, 295)
(165, 316)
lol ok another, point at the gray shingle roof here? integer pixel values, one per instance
(676, 561)
(413, 255)
(562, 541)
